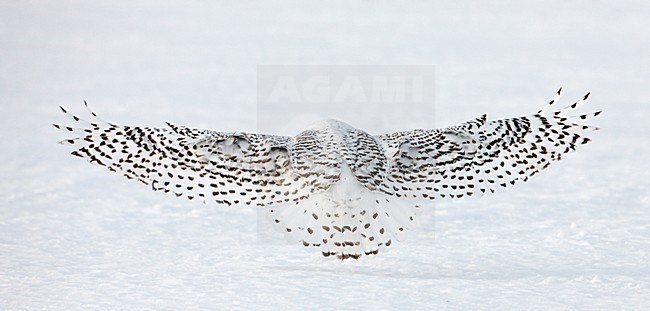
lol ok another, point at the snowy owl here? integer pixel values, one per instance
(333, 187)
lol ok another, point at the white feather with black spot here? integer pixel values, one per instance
(333, 187)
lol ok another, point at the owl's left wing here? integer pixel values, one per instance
(209, 166)
(480, 156)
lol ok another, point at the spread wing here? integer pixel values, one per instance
(482, 156)
(223, 168)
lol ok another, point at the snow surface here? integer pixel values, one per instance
(75, 236)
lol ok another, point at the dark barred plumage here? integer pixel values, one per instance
(334, 187)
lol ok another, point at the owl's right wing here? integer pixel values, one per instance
(213, 167)
(481, 156)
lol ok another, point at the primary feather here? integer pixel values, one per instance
(334, 187)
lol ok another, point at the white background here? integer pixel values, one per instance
(76, 236)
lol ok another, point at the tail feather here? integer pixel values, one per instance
(343, 227)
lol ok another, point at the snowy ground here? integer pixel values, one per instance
(75, 236)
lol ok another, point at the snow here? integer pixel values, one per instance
(74, 236)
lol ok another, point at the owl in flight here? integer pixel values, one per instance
(333, 187)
